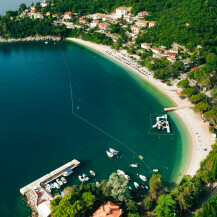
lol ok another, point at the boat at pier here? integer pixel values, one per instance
(113, 151)
(63, 180)
(68, 172)
(52, 185)
(109, 154)
(56, 185)
(59, 182)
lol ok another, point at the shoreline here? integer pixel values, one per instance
(199, 137)
(35, 38)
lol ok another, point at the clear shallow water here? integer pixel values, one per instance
(39, 132)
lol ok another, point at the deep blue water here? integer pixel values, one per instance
(39, 133)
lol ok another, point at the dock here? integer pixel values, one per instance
(29, 192)
(170, 109)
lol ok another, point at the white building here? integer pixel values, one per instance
(173, 50)
(143, 13)
(44, 4)
(135, 29)
(82, 21)
(156, 50)
(44, 210)
(67, 16)
(152, 23)
(103, 26)
(142, 23)
(98, 16)
(128, 19)
(121, 11)
(146, 46)
(94, 23)
(105, 18)
(171, 59)
(38, 15)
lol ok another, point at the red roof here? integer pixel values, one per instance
(195, 68)
(98, 14)
(152, 22)
(146, 44)
(135, 27)
(121, 8)
(157, 49)
(108, 210)
(143, 12)
(143, 21)
(68, 13)
(171, 58)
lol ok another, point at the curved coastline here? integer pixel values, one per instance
(198, 137)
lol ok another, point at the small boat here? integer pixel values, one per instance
(56, 185)
(47, 186)
(140, 157)
(48, 189)
(155, 170)
(92, 173)
(141, 186)
(133, 165)
(127, 177)
(97, 184)
(136, 184)
(59, 182)
(120, 172)
(63, 180)
(68, 172)
(46, 42)
(146, 187)
(109, 154)
(52, 185)
(114, 152)
(83, 178)
(143, 178)
(130, 188)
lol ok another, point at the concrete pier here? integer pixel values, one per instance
(170, 109)
(29, 192)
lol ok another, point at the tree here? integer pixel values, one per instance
(156, 186)
(187, 92)
(165, 206)
(133, 215)
(88, 198)
(197, 98)
(131, 206)
(22, 8)
(201, 107)
(183, 83)
(119, 187)
(148, 203)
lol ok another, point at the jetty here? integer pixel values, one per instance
(30, 194)
(170, 109)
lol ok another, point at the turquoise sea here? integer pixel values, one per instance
(38, 131)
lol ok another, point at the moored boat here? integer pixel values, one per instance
(68, 172)
(59, 182)
(63, 180)
(120, 172)
(56, 185)
(133, 165)
(109, 154)
(52, 185)
(113, 151)
(127, 177)
(155, 170)
(143, 178)
(136, 184)
(92, 173)
(146, 187)
(97, 184)
(83, 178)
(140, 157)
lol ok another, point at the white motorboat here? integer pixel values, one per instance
(120, 172)
(127, 177)
(133, 165)
(136, 184)
(47, 186)
(92, 173)
(56, 185)
(46, 42)
(48, 189)
(130, 188)
(83, 178)
(59, 182)
(68, 172)
(143, 178)
(52, 185)
(146, 187)
(97, 184)
(109, 154)
(113, 151)
(63, 180)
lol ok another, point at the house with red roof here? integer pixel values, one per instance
(67, 16)
(103, 26)
(135, 29)
(44, 4)
(108, 210)
(146, 46)
(98, 16)
(173, 50)
(94, 23)
(156, 50)
(142, 23)
(122, 11)
(143, 14)
(152, 23)
(171, 59)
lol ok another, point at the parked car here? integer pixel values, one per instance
(37, 191)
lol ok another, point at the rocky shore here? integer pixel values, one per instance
(36, 38)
